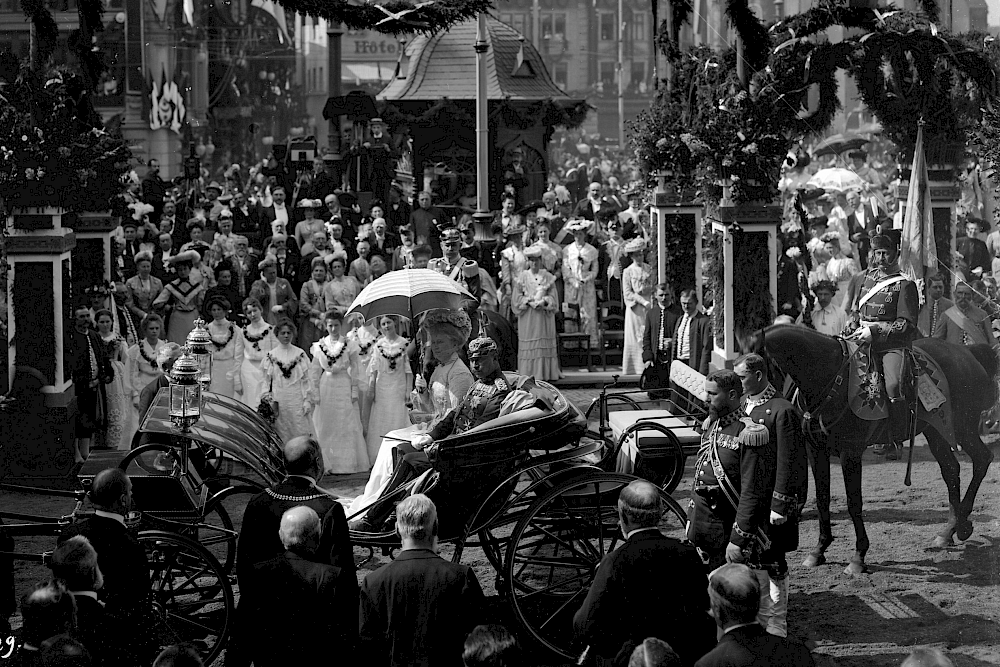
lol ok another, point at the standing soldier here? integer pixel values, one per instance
(734, 473)
(766, 407)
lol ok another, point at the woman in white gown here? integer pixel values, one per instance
(335, 375)
(258, 340)
(637, 291)
(286, 372)
(119, 425)
(143, 368)
(227, 349)
(389, 383)
(447, 332)
(534, 302)
(364, 336)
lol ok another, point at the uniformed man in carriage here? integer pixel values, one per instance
(883, 318)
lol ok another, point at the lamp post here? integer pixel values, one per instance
(199, 342)
(482, 214)
(185, 392)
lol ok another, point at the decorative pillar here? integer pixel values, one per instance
(678, 226)
(748, 276)
(93, 260)
(38, 427)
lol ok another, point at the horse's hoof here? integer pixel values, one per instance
(941, 541)
(814, 560)
(878, 450)
(964, 531)
(854, 568)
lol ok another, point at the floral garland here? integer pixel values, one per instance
(142, 352)
(332, 358)
(393, 17)
(104, 288)
(366, 347)
(221, 346)
(286, 371)
(391, 358)
(255, 340)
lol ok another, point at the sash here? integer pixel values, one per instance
(891, 280)
(732, 494)
(457, 271)
(958, 318)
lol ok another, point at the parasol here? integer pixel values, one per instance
(408, 293)
(839, 143)
(836, 179)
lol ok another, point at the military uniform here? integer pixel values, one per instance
(735, 453)
(481, 403)
(789, 484)
(887, 303)
(464, 271)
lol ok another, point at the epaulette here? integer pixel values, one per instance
(501, 384)
(753, 435)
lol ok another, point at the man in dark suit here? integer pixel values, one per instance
(862, 218)
(974, 252)
(764, 405)
(693, 335)
(165, 251)
(735, 595)
(89, 367)
(383, 242)
(293, 601)
(119, 555)
(417, 610)
(276, 218)
(594, 204)
(74, 563)
(246, 220)
(648, 571)
(258, 539)
(661, 321)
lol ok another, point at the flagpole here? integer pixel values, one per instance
(482, 214)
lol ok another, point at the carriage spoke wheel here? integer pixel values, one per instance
(191, 596)
(556, 547)
(220, 525)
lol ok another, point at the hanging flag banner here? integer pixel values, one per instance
(166, 105)
(276, 12)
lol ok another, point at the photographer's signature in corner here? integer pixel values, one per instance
(7, 647)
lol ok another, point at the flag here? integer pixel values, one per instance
(189, 12)
(918, 254)
(278, 14)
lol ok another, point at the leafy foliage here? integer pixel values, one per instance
(430, 17)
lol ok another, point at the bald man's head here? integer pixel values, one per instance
(734, 594)
(299, 528)
(111, 491)
(639, 505)
(303, 456)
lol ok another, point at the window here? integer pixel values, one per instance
(560, 75)
(608, 73)
(606, 23)
(638, 72)
(520, 22)
(553, 26)
(639, 29)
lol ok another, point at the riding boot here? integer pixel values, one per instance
(899, 420)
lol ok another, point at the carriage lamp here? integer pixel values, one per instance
(199, 341)
(185, 391)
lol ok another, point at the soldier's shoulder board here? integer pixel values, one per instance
(753, 435)
(500, 383)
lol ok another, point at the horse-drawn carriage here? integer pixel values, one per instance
(533, 489)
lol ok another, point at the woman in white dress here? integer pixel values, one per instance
(534, 302)
(119, 424)
(637, 290)
(335, 376)
(364, 335)
(447, 332)
(839, 268)
(143, 368)
(389, 382)
(227, 349)
(286, 373)
(339, 291)
(258, 340)
(579, 269)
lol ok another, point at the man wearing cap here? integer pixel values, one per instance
(481, 403)
(212, 193)
(463, 271)
(885, 318)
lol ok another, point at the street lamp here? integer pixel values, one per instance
(199, 342)
(185, 392)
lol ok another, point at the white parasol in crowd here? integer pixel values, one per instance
(408, 293)
(836, 179)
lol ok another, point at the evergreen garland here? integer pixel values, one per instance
(430, 17)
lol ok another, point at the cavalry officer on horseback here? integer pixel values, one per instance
(764, 406)
(733, 482)
(885, 317)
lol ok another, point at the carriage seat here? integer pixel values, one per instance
(524, 409)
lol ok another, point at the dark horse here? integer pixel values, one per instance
(815, 361)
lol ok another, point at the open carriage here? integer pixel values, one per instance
(534, 489)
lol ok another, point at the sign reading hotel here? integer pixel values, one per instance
(368, 46)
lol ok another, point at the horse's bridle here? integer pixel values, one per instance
(814, 415)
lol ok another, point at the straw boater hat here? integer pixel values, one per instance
(580, 225)
(637, 244)
(214, 185)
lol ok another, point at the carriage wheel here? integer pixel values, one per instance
(191, 595)
(556, 547)
(609, 400)
(220, 526)
(157, 458)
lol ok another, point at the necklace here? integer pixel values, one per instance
(286, 371)
(142, 351)
(221, 346)
(255, 339)
(391, 358)
(332, 358)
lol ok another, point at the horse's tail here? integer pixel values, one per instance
(985, 355)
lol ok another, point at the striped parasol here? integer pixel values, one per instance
(408, 293)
